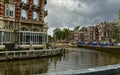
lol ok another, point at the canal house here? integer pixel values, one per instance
(22, 21)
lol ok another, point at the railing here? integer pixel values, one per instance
(9, 55)
(28, 43)
(31, 21)
(24, 5)
(36, 8)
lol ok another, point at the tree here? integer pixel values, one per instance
(66, 33)
(61, 34)
(57, 34)
(115, 33)
(50, 38)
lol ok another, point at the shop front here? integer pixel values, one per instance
(25, 38)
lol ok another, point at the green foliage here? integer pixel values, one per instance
(48, 45)
(115, 33)
(3, 49)
(50, 38)
(61, 34)
(57, 33)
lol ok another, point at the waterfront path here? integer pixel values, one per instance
(9, 55)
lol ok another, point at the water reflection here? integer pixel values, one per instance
(25, 67)
(74, 59)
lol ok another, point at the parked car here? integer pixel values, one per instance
(81, 43)
(104, 44)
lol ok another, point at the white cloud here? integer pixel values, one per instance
(71, 13)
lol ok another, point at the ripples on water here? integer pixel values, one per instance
(74, 59)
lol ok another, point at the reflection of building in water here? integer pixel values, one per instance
(97, 58)
(104, 59)
(28, 67)
(24, 67)
(89, 58)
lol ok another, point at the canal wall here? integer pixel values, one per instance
(108, 49)
(26, 54)
(105, 70)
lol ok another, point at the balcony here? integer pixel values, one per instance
(31, 22)
(24, 5)
(36, 8)
(10, 1)
(45, 13)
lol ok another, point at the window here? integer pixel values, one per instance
(24, 14)
(9, 27)
(12, 8)
(7, 36)
(6, 10)
(35, 15)
(1, 37)
(24, 1)
(36, 2)
(9, 10)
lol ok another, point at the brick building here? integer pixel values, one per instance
(22, 21)
(101, 32)
(118, 26)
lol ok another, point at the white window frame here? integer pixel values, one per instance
(35, 15)
(25, 17)
(7, 10)
(13, 14)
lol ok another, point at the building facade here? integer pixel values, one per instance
(105, 31)
(101, 32)
(22, 21)
(118, 26)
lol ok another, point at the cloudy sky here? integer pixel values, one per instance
(71, 13)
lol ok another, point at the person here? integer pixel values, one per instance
(15, 45)
(31, 46)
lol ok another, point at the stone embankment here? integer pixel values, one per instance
(26, 54)
(108, 49)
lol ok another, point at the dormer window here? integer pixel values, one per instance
(36, 2)
(35, 15)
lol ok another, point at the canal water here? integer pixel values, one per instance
(73, 59)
